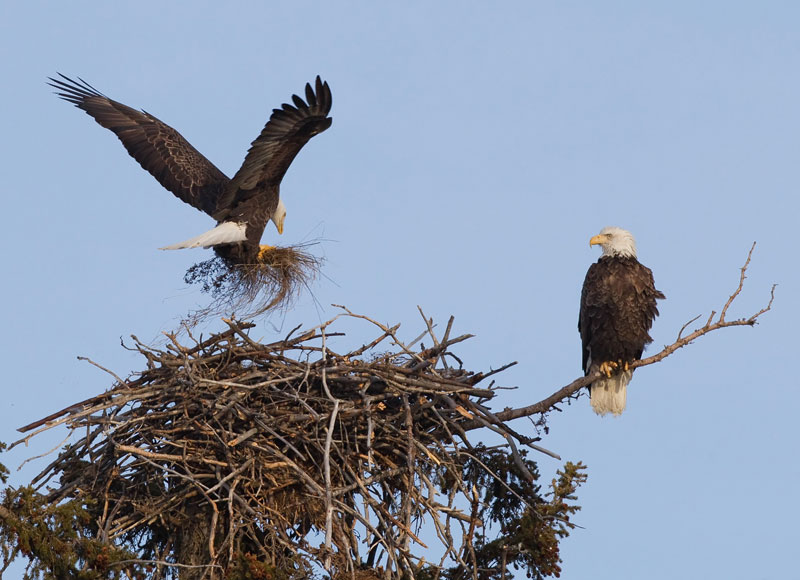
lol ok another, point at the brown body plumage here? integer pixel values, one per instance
(246, 202)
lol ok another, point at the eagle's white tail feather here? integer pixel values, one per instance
(224, 233)
(609, 395)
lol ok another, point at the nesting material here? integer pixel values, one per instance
(272, 283)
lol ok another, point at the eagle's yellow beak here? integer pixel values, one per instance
(597, 240)
(279, 222)
(279, 216)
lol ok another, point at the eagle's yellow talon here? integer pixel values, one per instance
(607, 368)
(264, 249)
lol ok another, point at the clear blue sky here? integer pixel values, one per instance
(476, 147)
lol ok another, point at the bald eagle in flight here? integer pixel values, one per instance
(242, 206)
(618, 306)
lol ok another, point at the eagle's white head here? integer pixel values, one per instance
(615, 242)
(279, 215)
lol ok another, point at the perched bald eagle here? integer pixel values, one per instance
(243, 205)
(618, 306)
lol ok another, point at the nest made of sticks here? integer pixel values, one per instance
(256, 447)
(273, 282)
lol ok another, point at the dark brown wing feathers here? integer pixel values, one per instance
(158, 148)
(618, 306)
(288, 129)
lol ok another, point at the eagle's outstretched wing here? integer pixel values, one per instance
(288, 129)
(158, 148)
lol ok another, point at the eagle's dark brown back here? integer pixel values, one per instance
(618, 306)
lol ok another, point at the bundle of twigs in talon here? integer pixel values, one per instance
(294, 458)
(271, 282)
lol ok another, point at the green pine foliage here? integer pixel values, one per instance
(58, 540)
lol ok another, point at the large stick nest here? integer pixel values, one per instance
(287, 450)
